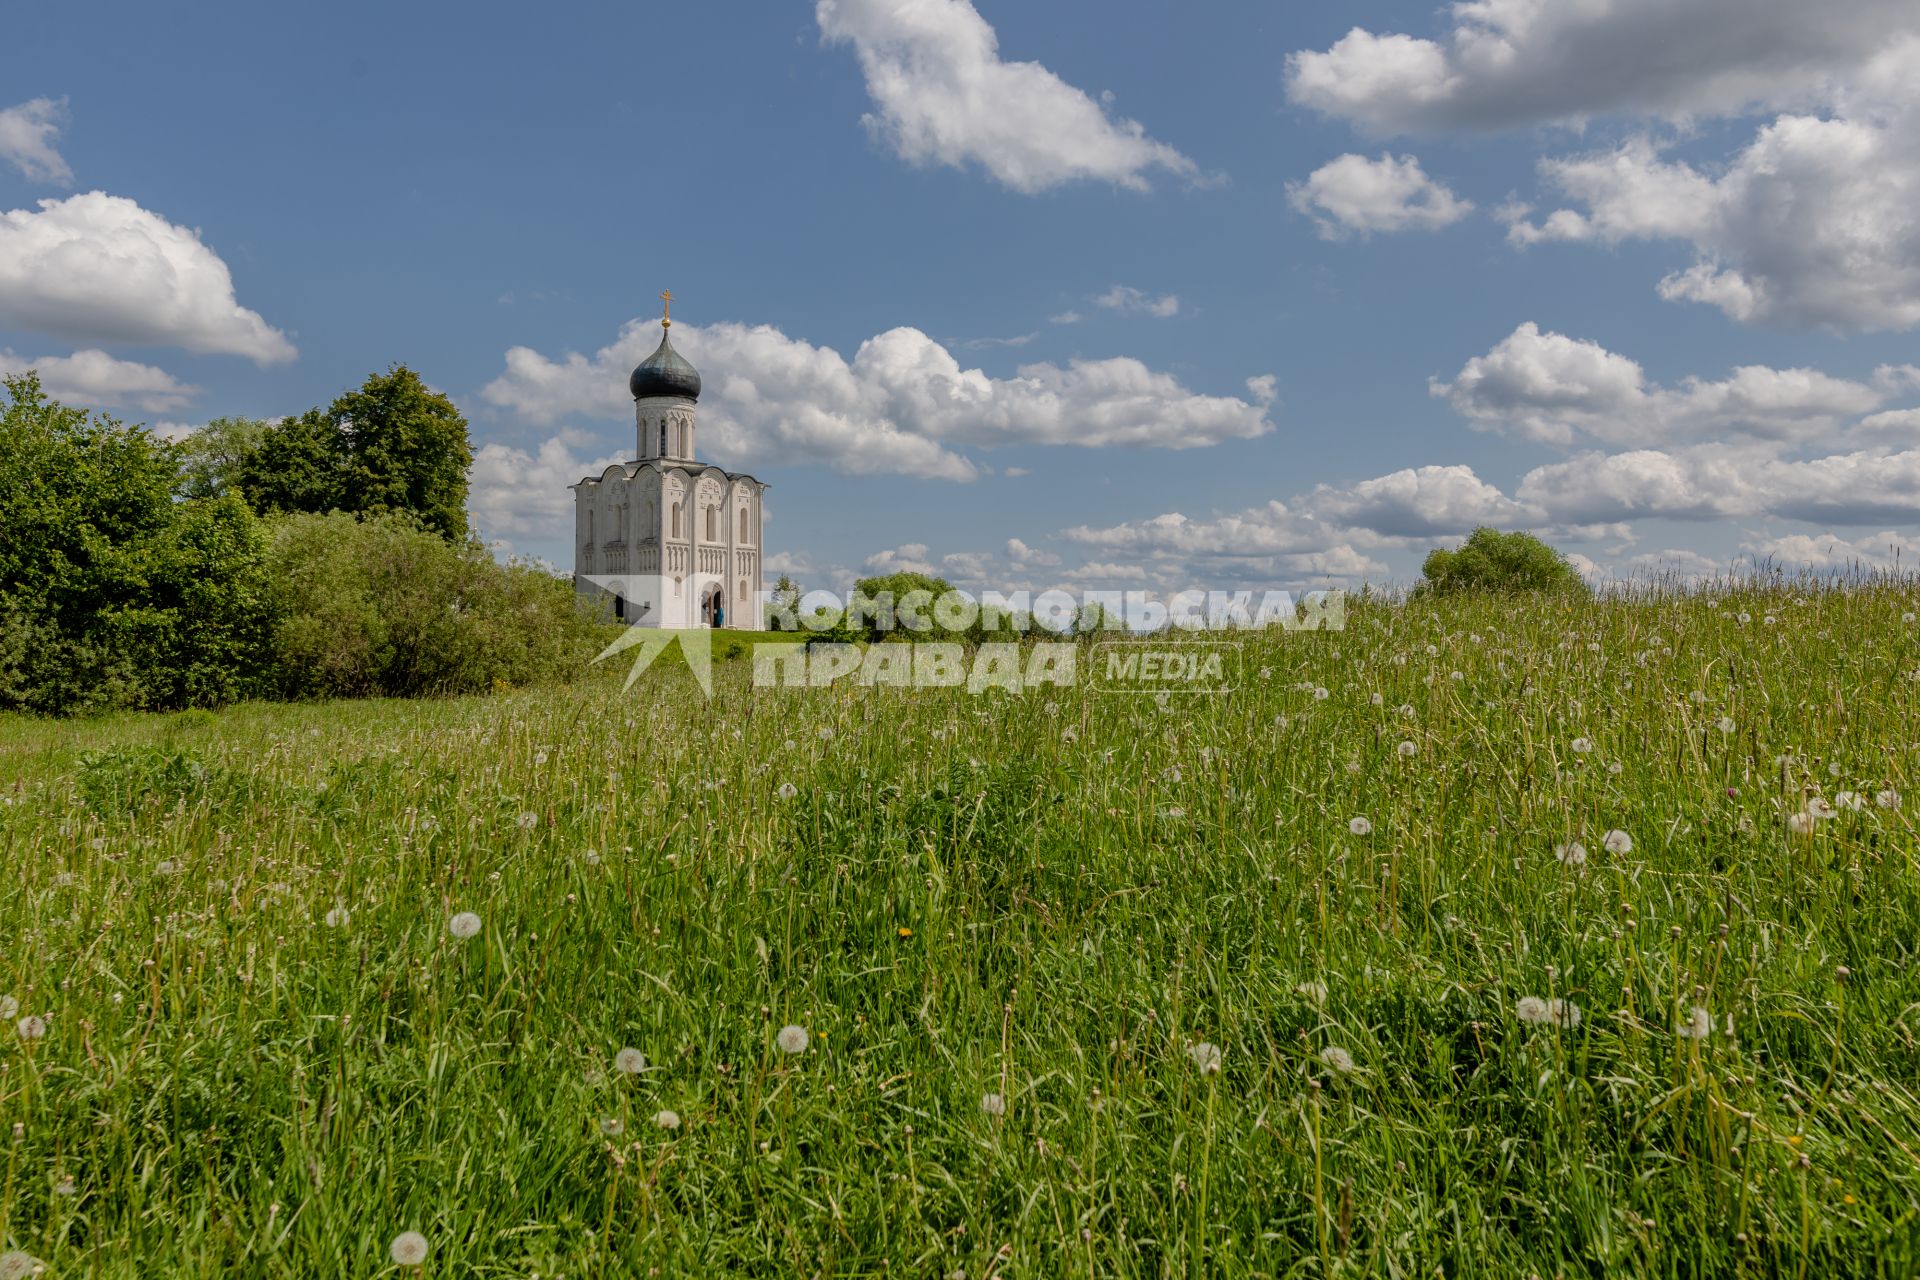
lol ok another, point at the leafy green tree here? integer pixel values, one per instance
(1504, 563)
(886, 602)
(785, 603)
(406, 451)
(111, 593)
(212, 458)
(392, 445)
(297, 465)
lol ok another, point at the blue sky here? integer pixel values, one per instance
(1640, 275)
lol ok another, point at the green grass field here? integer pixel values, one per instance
(1091, 985)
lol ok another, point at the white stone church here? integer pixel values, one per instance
(672, 541)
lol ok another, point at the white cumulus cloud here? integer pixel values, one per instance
(1354, 195)
(28, 133)
(96, 380)
(1508, 63)
(1816, 222)
(527, 493)
(943, 95)
(100, 268)
(903, 405)
(1549, 387)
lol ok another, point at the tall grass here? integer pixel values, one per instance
(1052, 898)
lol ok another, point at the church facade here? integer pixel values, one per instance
(666, 540)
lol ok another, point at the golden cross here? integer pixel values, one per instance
(666, 320)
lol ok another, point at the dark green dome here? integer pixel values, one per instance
(665, 373)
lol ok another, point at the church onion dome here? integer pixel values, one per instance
(665, 373)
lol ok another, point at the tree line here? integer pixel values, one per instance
(320, 554)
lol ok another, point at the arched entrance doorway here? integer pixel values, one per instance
(713, 609)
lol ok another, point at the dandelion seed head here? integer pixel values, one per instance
(793, 1039)
(1408, 750)
(1697, 1025)
(1582, 746)
(612, 1126)
(527, 821)
(464, 925)
(1336, 1059)
(993, 1104)
(1617, 842)
(9, 1008)
(664, 1119)
(16, 1265)
(409, 1249)
(1571, 854)
(1206, 1056)
(1817, 807)
(630, 1061)
(1360, 826)
(31, 1027)
(1532, 1010)
(337, 918)
(1314, 991)
(787, 791)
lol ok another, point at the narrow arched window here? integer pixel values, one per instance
(663, 437)
(676, 519)
(743, 526)
(713, 524)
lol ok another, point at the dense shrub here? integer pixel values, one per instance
(111, 593)
(385, 606)
(1503, 563)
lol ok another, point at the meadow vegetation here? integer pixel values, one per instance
(1489, 937)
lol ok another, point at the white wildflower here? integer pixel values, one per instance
(664, 1119)
(1617, 842)
(787, 791)
(1360, 826)
(1532, 1010)
(630, 1061)
(1408, 750)
(464, 925)
(793, 1039)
